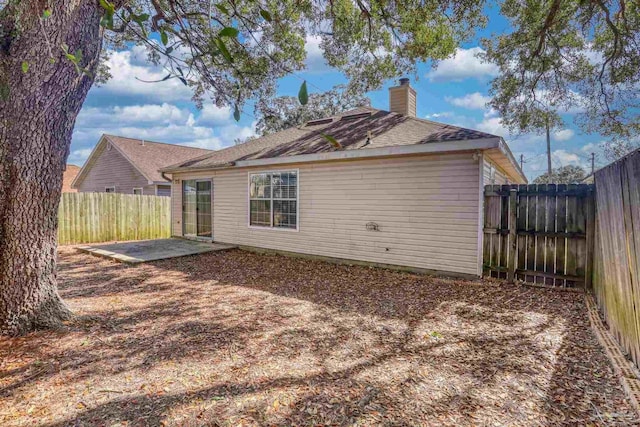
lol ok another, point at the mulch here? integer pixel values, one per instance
(237, 338)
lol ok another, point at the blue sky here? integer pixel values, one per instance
(455, 92)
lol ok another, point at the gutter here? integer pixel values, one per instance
(397, 150)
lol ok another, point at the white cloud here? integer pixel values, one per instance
(214, 115)
(442, 115)
(472, 101)
(563, 135)
(565, 158)
(156, 122)
(463, 65)
(492, 125)
(129, 67)
(132, 114)
(315, 61)
(78, 157)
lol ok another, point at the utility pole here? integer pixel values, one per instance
(548, 152)
(521, 160)
(593, 163)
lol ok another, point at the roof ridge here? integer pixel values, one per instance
(109, 136)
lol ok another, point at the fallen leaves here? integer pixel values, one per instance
(236, 338)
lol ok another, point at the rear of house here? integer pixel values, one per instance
(400, 191)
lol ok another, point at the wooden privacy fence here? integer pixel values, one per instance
(103, 217)
(616, 278)
(539, 233)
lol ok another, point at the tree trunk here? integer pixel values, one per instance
(38, 110)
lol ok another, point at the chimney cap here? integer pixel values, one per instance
(404, 81)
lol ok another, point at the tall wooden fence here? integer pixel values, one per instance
(539, 233)
(103, 217)
(616, 279)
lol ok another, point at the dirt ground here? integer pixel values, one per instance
(236, 338)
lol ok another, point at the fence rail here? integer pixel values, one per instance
(103, 217)
(539, 233)
(616, 281)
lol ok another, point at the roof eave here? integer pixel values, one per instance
(398, 150)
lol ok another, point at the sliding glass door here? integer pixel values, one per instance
(196, 208)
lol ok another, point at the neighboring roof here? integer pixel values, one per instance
(147, 157)
(587, 179)
(351, 129)
(70, 173)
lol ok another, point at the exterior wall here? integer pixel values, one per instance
(163, 190)
(499, 177)
(112, 169)
(426, 208)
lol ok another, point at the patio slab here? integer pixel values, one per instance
(151, 250)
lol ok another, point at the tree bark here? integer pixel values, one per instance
(38, 110)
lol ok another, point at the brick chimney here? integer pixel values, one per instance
(402, 98)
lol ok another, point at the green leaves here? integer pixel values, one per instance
(222, 9)
(303, 95)
(75, 58)
(229, 32)
(25, 67)
(46, 13)
(222, 48)
(109, 11)
(163, 37)
(265, 15)
(140, 20)
(332, 141)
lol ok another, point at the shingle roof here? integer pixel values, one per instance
(70, 173)
(149, 157)
(351, 129)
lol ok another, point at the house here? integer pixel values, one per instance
(397, 191)
(131, 166)
(70, 173)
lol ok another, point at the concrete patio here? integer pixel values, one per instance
(151, 250)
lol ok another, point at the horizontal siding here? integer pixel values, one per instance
(499, 178)
(111, 169)
(426, 208)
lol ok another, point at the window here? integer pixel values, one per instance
(273, 200)
(109, 189)
(137, 191)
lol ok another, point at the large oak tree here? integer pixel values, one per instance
(227, 51)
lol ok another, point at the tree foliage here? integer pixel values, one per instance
(234, 50)
(569, 174)
(283, 112)
(569, 56)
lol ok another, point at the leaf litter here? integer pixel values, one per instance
(242, 339)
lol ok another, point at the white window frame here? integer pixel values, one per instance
(112, 187)
(138, 188)
(262, 227)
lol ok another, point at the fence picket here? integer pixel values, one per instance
(101, 217)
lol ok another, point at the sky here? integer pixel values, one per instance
(454, 92)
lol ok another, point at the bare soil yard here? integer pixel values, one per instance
(236, 338)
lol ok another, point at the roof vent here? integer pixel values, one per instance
(318, 122)
(356, 116)
(142, 143)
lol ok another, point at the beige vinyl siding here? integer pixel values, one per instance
(500, 178)
(426, 208)
(111, 169)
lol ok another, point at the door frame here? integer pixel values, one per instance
(192, 236)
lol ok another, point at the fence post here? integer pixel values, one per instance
(591, 226)
(512, 248)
